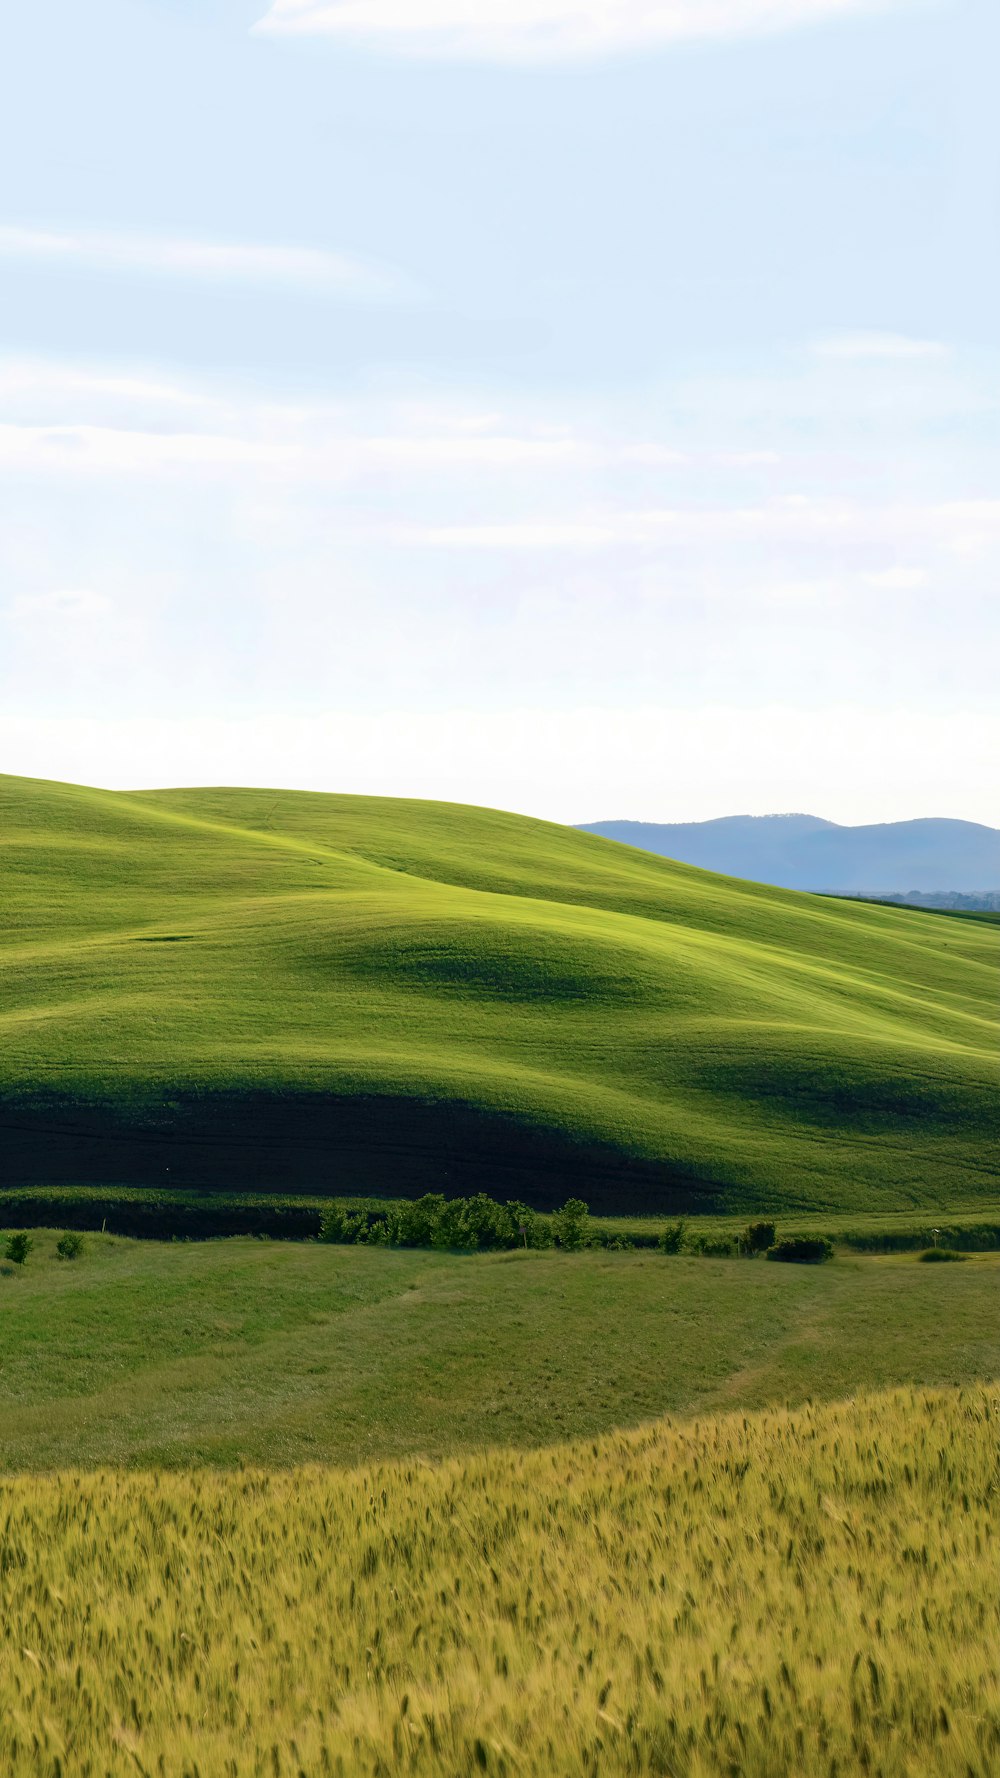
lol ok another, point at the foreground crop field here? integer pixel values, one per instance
(351, 994)
(810, 1593)
(146, 1354)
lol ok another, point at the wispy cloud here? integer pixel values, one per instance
(863, 346)
(849, 529)
(110, 450)
(62, 418)
(304, 268)
(546, 30)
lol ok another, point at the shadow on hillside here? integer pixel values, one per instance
(367, 1146)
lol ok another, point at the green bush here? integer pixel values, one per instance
(529, 1231)
(19, 1246)
(343, 1227)
(70, 1245)
(570, 1225)
(757, 1237)
(802, 1251)
(672, 1238)
(413, 1223)
(938, 1255)
(472, 1225)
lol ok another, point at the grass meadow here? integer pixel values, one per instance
(148, 1354)
(355, 995)
(813, 1593)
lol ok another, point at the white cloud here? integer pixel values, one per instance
(866, 346)
(108, 450)
(38, 380)
(840, 525)
(897, 580)
(76, 608)
(89, 419)
(550, 535)
(545, 30)
(305, 268)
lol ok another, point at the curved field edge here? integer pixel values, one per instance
(359, 994)
(242, 1352)
(780, 1593)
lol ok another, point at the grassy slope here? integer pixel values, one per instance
(241, 1351)
(785, 1596)
(360, 994)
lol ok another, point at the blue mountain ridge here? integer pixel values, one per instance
(806, 852)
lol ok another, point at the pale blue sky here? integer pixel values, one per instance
(590, 409)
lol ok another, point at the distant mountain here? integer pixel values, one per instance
(804, 852)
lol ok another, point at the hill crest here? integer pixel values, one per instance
(263, 988)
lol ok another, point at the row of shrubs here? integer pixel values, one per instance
(480, 1224)
(477, 1225)
(150, 1214)
(469, 1225)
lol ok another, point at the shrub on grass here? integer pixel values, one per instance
(938, 1255)
(570, 1225)
(757, 1237)
(528, 1230)
(413, 1224)
(474, 1225)
(672, 1238)
(802, 1251)
(343, 1228)
(19, 1246)
(70, 1245)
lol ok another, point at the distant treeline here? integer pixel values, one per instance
(985, 901)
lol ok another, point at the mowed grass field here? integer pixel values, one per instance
(255, 989)
(273, 1354)
(814, 1593)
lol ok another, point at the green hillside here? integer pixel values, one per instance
(245, 987)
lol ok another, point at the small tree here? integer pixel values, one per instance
(19, 1246)
(70, 1245)
(672, 1238)
(524, 1224)
(570, 1225)
(757, 1237)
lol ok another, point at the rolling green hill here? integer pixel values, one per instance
(244, 987)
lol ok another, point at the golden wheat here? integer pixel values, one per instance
(789, 1593)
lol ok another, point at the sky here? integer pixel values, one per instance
(583, 407)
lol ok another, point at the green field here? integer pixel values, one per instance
(260, 990)
(143, 1353)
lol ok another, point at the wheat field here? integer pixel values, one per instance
(812, 1592)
